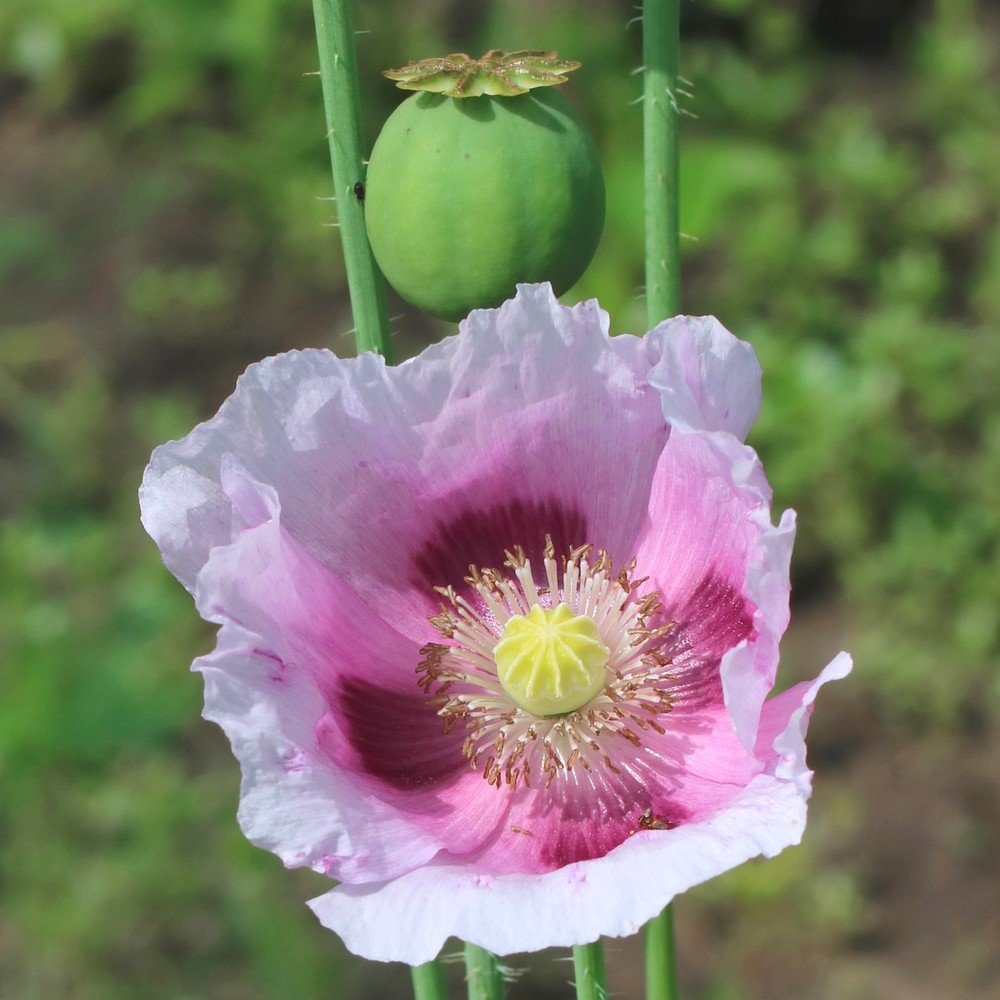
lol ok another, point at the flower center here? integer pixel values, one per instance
(551, 662)
(557, 678)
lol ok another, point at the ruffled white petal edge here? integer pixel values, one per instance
(275, 409)
(292, 801)
(749, 669)
(707, 378)
(409, 919)
(790, 744)
(296, 402)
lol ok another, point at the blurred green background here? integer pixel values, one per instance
(162, 176)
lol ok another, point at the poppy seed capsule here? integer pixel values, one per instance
(466, 197)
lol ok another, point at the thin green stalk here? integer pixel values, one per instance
(342, 103)
(661, 968)
(428, 982)
(661, 42)
(661, 58)
(588, 971)
(483, 973)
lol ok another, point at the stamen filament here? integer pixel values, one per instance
(585, 745)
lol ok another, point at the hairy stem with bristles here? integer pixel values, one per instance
(483, 974)
(661, 150)
(588, 972)
(661, 48)
(342, 102)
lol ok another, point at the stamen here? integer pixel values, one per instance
(515, 743)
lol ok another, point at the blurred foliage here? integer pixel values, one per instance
(163, 184)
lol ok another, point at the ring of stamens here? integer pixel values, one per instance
(506, 742)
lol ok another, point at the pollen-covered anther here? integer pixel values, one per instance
(551, 676)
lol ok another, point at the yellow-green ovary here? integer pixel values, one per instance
(551, 661)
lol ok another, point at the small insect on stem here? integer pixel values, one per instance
(359, 191)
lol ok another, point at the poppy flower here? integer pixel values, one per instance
(499, 625)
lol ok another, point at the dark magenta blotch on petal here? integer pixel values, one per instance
(710, 621)
(480, 536)
(585, 838)
(391, 735)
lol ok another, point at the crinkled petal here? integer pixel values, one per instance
(315, 513)
(532, 421)
(781, 741)
(291, 801)
(409, 919)
(718, 562)
(748, 670)
(371, 723)
(708, 379)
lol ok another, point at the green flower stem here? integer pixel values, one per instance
(661, 58)
(428, 982)
(483, 973)
(661, 969)
(342, 103)
(588, 971)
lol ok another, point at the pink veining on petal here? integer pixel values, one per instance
(480, 534)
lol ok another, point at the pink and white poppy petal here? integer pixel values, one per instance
(748, 671)
(533, 421)
(409, 919)
(682, 776)
(581, 817)
(375, 725)
(708, 379)
(266, 582)
(710, 535)
(313, 517)
(306, 423)
(291, 801)
(781, 741)
(705, 759)
(703, 520)
(550, 427)
(609, 896)
(395, 746)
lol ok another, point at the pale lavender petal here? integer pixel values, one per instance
(306, 423)
(708, 379)
(533, 421)
(292, 802)
(371, 726)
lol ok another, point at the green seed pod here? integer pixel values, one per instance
(468, 195)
